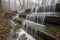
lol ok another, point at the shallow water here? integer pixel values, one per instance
(21, 32)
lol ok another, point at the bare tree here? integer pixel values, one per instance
(20, 4)
(15, 5)
(38, 2)
(23, 4)
(9, 5)
(27, 4)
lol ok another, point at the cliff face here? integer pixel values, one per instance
(57, 7)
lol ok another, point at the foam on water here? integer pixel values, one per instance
(21, 32)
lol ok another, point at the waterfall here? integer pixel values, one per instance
(33, 25)
(17, 16)
(13, 24)
(52, 8)
(36, 9)
(46, 8)
(12, 21)
(22, 32)
(27, 17)
(41, 19)
(33, 10)
(38, 18)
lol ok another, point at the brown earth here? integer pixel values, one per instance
(4, 27)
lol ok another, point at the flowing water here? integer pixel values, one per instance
(46, 8)
(36, 18)
(18, 35)
(17, 16)
(12, 24)
(21, 33)
(32, 28)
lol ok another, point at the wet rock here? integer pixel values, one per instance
(15, 35)
(23, 37)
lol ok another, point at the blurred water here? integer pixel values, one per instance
(36, 18)
(21, 32)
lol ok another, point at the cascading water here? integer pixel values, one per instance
(36, 18)
(31, 25)
(13, 24)
(17, 16)
(51, 8)
(36, 9)
(46, 8)
(20, 32)
(12, 21)
(41, 19)
(21, 37)
(33, 10)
